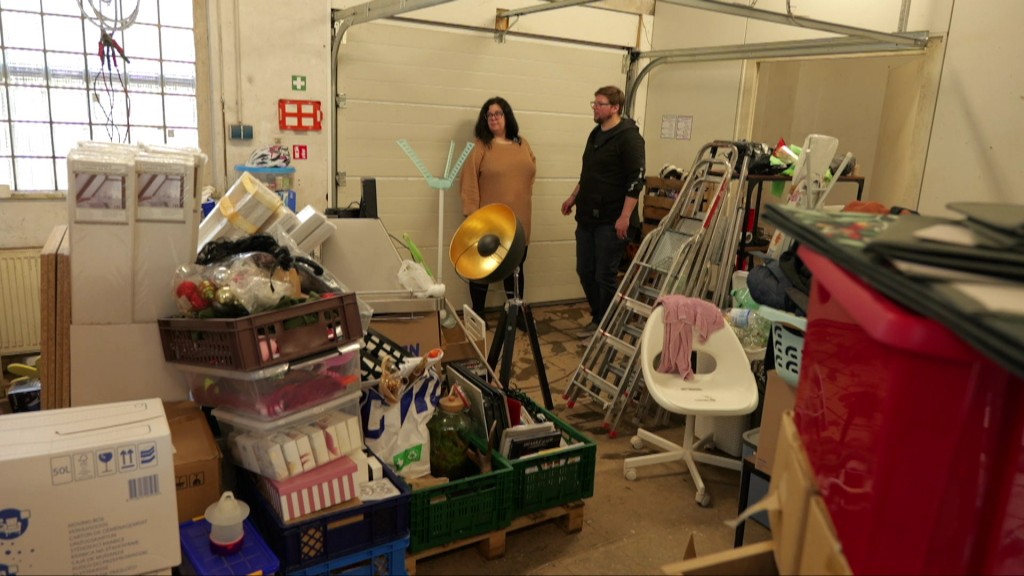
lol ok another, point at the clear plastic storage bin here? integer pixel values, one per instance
(277, 179)
(280, 390)
(297, 443)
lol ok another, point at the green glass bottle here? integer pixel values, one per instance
(449, 439)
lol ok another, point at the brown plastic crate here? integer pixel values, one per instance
(235, 344)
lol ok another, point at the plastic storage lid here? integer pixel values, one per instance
(884, 320)
(248, 423)
(269, 371)
(265, 169)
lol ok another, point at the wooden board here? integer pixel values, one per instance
(63, 327)
(491, 545)
(48, 317)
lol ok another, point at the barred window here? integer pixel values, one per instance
(106, 70)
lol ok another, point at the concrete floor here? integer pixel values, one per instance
(628, 527)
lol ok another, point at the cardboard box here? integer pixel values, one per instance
(419, 333)
(88, 490)
(457, 346)
(138, 355)
(197, 459)
(778, 398)
(803, 539)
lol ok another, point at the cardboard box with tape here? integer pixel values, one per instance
(197, 459)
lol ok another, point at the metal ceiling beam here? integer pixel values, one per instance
(765, 51)
(556, 4)
(742, 50)
(377, 9)
(792, 20)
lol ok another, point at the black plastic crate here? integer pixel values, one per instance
(375, 347)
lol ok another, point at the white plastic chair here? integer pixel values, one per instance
(724, 386)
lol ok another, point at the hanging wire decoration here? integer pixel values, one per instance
(103, 82)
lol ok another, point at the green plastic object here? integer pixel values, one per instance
(455, 510)
(417, 256)
(546, 480)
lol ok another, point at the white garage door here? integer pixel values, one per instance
(426, 85)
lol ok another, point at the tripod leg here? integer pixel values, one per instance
(498, 342)
(538, 359)
(508, 351)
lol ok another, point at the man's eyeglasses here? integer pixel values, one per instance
(491, 115)
(594, 104)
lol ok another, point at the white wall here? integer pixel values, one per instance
(975, 147)
(277, 39)
(849, 98)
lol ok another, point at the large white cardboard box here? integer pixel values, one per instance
(88, 490)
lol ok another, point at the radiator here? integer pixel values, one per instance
(19, 301)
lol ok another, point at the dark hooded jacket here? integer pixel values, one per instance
(613, 168)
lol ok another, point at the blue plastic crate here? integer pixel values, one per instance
(384, 559)
(197, 557)
(346, 529)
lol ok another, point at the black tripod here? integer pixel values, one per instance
(505, 340)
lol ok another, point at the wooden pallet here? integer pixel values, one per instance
(491, 545)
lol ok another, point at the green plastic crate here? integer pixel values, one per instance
(443, 514)
(551, 479)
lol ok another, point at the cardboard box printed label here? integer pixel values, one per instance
(88, 490)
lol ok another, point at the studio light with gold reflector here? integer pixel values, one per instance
(488, 247)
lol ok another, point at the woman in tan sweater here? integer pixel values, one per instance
(500, 170)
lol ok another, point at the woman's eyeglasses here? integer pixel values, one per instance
(492, 115)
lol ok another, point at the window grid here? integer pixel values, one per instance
(138, 85)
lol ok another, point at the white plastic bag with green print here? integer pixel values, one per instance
(398, 433)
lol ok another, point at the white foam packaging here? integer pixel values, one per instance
(165, 228)
(88, 490)
(101, 207)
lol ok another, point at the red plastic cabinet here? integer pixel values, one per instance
(914, 436)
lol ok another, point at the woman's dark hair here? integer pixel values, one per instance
(511, 126)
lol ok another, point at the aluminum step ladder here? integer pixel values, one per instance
(692, 251)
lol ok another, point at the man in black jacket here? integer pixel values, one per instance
(606, 195)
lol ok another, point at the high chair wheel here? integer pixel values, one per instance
(630, 474)
(636, 442)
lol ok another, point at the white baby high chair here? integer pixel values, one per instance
(722, 385)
